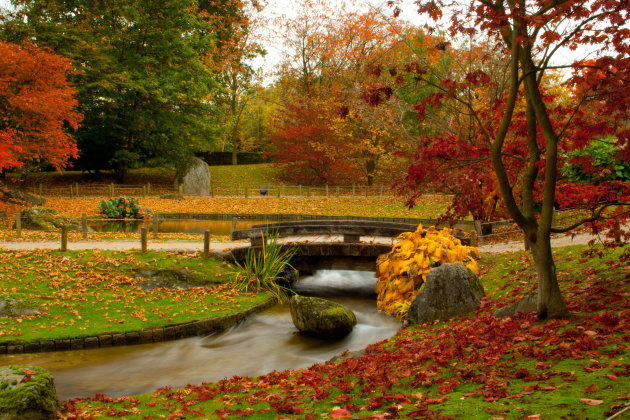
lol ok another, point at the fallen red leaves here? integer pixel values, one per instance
(481, 353)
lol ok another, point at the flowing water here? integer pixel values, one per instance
(264, 342)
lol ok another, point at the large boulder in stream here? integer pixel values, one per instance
(451, 290)
(27, 393)
(321, 318)
(194, 176)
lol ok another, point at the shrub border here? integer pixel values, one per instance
(149, 335)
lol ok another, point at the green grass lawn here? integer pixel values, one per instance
(475, 367)
(86, 293)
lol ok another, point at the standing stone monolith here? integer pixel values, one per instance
(194, 176)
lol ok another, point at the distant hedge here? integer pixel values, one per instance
(225, 158)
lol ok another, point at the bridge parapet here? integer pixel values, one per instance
(352, 230)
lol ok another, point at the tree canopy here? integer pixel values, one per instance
(525, 125)
(146, 72)
(37, 107)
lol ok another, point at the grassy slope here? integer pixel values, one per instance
(222, 176)
(470, 367)
(87, 293)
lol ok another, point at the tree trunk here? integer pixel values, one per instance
(550, 304)
(122, 172)
(234, 156)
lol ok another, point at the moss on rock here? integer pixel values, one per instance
(27, 393)
(320, 317)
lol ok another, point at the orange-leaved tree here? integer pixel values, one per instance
(333, 54)
(37, 107)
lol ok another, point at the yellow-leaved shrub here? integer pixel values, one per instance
(402, 272)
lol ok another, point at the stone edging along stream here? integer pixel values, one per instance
(149, 335)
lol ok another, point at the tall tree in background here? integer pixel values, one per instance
(37, 108)
(143, 85)
(330, 56)
(531, 33)
(239, 80)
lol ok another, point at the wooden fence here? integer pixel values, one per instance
(235, 190)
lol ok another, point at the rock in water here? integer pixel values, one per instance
(320, 317)
(450, 290)
(27, 393)
(195, 177)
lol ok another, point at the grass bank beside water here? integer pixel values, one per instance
(475, 367)
(87, 293)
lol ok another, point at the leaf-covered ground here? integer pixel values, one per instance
(86, 293)
(471, 367)
(331, 206)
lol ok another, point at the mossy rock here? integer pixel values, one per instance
(27, 393)
(181, 279)
(10, 307)
(44, 219)
(321, 318)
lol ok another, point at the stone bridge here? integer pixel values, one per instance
(327, 244)
(328, 253)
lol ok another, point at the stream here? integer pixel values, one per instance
(263, 343)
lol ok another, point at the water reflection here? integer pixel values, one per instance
(265, 342)
(216, 227)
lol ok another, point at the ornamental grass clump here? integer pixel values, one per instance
(402, 272)
(262, 269)
(121, 208)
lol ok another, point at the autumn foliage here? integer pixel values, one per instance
(37, 107)
(8, 151)
(402, 272)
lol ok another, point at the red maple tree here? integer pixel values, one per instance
(37, 106)
(530, 33)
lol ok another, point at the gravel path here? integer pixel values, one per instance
(192, 246)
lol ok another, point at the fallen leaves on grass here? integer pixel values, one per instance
(94, 293)
(415, 373)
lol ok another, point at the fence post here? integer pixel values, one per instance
(155, 226)
(278, 191)
(245, 191)
(76, 189)
(381, 191)
(473, 239)
(181, 189)
(354, 187)
(143, 239)
(71, 192)
(233, 225)
(367, 190)
(206, 244)
(148, 188)
(326, 190)
(18, 225)
(84, 226)
(64, 238)
(144, 191)
(41, 191)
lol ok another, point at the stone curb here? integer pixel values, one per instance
(149, 335)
